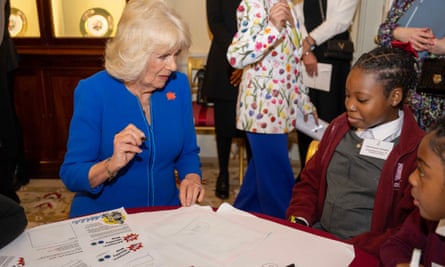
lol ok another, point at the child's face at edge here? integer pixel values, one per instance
(366, 103)
(428, 182)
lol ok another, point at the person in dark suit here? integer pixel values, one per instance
(12, 174)
(13, 220)
(217, 86)
(322, 21)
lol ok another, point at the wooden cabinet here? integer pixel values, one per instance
(44, 88)
(50, 66)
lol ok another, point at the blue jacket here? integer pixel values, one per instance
(103, 107)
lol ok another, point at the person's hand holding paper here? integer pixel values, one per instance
(322, 78)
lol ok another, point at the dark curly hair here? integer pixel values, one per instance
(437, 142)
(394, 68)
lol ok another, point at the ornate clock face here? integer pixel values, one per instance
(96, 22)
(17, 22)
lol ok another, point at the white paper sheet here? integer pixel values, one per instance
(285, 246)
(102, 239)
(322, 81)
(199, 237)
(309, 127)
(187, 236)
(215, 234)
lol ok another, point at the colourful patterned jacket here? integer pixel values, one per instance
(271, 89)
(385, 30)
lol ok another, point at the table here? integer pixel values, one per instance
(175, 236)
(362, 258)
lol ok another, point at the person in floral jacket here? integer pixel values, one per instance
(267, 46)
(426, 107)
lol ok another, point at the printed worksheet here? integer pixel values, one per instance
(102, 239)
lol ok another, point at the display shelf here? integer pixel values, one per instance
(85, 18)
(59, 42)
(64, 23)
(24, 19)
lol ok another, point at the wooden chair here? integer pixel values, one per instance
(204, 116)
(313, 147)
(193, 65)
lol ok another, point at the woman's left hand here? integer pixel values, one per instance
(439, 47)
(235, 77)
(420, 38)
(191, 190)
(310, 63)
(313, 111)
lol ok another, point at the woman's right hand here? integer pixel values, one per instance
(420, 38)
(280, 14)
(127, 143)
(439, 47)
(235, 77)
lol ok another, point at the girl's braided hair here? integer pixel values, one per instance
(394, 68)
(437, 142)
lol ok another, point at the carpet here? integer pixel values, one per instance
(45, 201)
(48, 200)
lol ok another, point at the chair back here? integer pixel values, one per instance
(313, 147)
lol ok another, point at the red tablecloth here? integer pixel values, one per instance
(362, 259)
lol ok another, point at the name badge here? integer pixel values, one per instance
(376, 148)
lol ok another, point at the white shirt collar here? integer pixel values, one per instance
(440, 230)
(384, 132)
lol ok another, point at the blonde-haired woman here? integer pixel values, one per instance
(132, 125)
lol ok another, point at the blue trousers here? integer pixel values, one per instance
(268, 182)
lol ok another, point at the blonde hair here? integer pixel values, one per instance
(145, 26)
